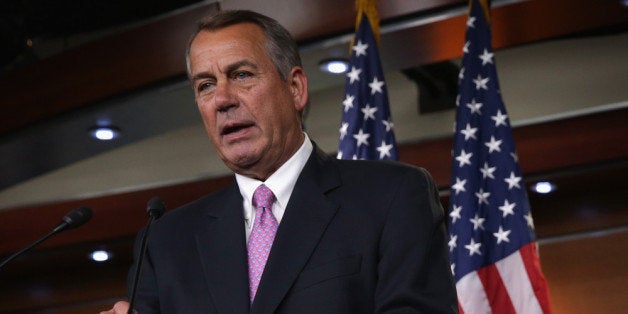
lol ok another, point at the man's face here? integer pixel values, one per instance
(251, 115)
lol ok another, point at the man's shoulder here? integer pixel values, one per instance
(367, 172)
(382, 174)
(201, 206)
(380, 167)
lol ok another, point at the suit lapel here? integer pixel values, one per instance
(307, 215)
(222, 247)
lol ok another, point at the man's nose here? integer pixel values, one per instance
(225, 97)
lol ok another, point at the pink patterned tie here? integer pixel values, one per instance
(262, 236)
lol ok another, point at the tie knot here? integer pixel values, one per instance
(263, 197)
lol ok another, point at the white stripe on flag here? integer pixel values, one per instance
(515, 278)
(471, 294)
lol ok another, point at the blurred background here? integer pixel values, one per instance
(71, 67)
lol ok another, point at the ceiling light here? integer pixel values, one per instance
(334, 66)
(544, 187)
(100, 256)
(105, 133)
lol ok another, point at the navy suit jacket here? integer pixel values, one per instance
(356, 237)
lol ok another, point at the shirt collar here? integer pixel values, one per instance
(282, 181)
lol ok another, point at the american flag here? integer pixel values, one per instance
(366, 130)
(491, 242)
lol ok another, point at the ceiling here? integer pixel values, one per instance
(31, 30)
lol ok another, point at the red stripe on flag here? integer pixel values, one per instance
(495, 290)
(533, 268)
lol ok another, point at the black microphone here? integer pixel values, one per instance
(72, 220)
(155, 208)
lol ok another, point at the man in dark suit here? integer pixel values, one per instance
(334, 237)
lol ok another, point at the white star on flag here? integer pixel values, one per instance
(486, 57)
(384, 150)
(459, 186)
(480, 83)
(493, 145)
(464, 158)
(469, 132)
(343, 130)
(452, 243)
(360, 48)
(475, 107)
(507, 208)
(474, 248)
(500, 119)
(513, 181)
(362, 138)
(455, 213)
(514, 157)
(348, 102)
(477, 222)
(482, 196)
(354, 75)
(471, 22)
(388, 124)
(376, 86)
(529, 220)
(487, 172)
(501, 235)
(369, 112)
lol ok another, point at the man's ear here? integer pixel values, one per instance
(298, 87)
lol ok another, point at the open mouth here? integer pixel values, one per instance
(234, 128)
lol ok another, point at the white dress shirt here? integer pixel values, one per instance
(281, 182)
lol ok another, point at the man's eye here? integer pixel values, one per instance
(242, 75)
(204, 86)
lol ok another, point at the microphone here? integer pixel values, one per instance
(72, 220)
(155, 208)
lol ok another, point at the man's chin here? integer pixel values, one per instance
(240, 160)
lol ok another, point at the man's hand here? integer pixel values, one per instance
(121, 307)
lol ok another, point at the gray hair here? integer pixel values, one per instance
(280, 46)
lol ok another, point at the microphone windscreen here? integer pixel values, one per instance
(77, 217)
(156, 207)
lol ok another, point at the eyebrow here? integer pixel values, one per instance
(239, 64)
(202, 75)
(230, 68)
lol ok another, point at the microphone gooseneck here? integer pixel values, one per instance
(73, 219)
(155, 208)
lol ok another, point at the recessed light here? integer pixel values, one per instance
(334, 66)
(544, 187)
(104, 133)
(100, 256)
